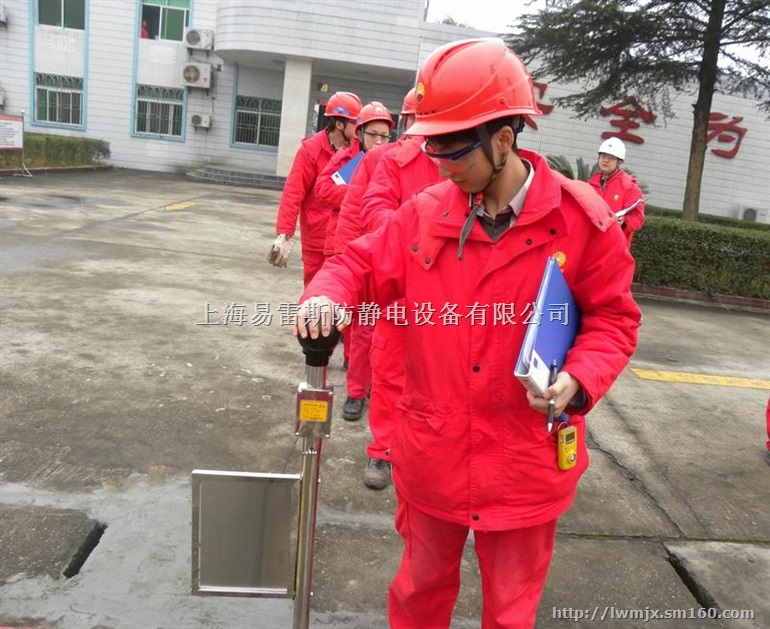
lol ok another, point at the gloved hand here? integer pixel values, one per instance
(280, 251)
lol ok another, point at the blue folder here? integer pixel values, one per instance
(551, 331)
(343, 176)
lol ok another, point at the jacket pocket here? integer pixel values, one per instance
(419, 410)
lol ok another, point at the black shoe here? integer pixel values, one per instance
(377, 474)
(352, 409)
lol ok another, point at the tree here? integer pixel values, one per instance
(448, 19)
(649, 48)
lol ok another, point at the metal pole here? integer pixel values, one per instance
(308, 504)
(311, 464)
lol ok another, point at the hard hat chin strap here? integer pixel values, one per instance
(486, 146)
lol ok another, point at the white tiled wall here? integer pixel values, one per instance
(385, 41)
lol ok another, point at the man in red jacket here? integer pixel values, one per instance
(618, 188)
(471, 448)
(373, 128)
(299, 198)
(400, 174)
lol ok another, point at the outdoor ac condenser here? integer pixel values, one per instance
(202, 121)
(199, 38)
(196, 75)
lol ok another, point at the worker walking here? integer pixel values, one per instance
(373, 129)
(299, 199)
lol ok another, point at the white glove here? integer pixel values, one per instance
(280, 251)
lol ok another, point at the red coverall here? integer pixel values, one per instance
(299, 200)
(468, 451)
(349, 225)
(330, 195)
(358, 338)
(621, 192)
(400, 173)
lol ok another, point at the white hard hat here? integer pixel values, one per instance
(614, 147)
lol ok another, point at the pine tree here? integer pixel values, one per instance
(648, 49)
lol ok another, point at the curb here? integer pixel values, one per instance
(732, 302)
(51, 170)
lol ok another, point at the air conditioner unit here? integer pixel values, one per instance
(199, 38)
(3, 14)
(196, 75)
(201, 120)
(754, 214)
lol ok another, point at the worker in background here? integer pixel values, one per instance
(618, 188)
(471, 448)
(299, 200)
(349, 228)
(399, 174)
(373, 128)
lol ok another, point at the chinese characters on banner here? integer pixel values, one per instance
(629, 115)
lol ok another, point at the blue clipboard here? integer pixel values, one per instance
(343, 176)
(551, 330)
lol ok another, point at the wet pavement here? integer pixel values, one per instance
(130, 356)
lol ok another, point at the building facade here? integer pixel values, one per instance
(177, 84)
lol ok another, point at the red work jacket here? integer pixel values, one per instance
(621, 192)
(400, 174)
(330, 195)
(467, 447)
(299, 200)
(349, 222)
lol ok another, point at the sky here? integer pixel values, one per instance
(488, 15)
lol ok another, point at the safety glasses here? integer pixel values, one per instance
(449, 160)
(377, 137)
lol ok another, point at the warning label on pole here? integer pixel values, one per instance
(11, 133)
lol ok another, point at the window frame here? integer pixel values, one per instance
(243, 108)
(163, 8)
(153, 114)
(63, 14)
(57, 86)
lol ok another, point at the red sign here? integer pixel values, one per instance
(629, 111)
(725, 132)
(546, 109)
(11, 133)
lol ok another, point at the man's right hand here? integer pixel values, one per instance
(280, 251)
(316, 316)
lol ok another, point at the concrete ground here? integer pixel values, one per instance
(113, 390)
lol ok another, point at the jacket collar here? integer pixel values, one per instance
(444, 208)
(409, 150)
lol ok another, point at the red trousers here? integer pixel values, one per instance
(387, 360)
(312, 261)
(358, 345)
(514, 566)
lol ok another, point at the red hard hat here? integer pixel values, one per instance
(343, 105)
(467, 83)
(374, 111)
(410, 102)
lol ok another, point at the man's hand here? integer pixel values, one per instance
(563, 390)
(621, 220)
(280, 251)
(316, 316)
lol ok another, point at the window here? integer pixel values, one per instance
(257, 121)
(66, 13)
(164, 19)
(58, 99)
(159, 110)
